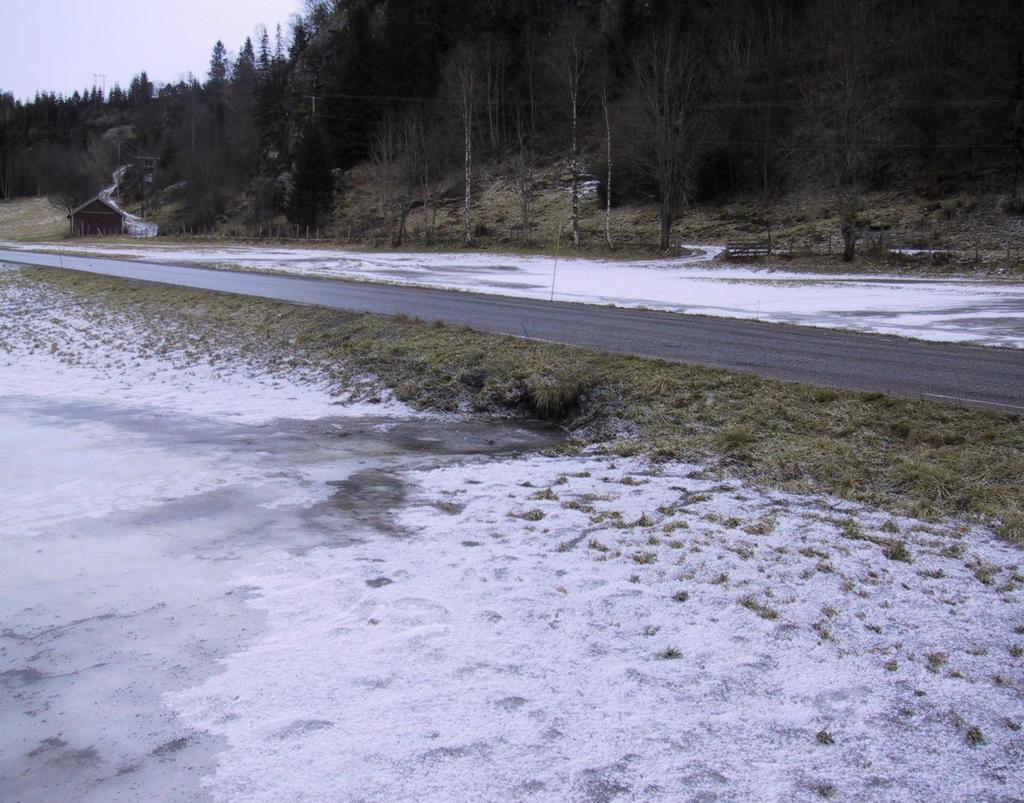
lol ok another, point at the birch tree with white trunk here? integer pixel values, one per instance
(462, 89)
(570, 62)
(605, 107)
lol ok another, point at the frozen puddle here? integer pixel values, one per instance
(125, 542)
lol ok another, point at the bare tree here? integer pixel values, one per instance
(1015, 139)
(523, 175)
(494, 64)
(428, 154)
(569, 61)
(398, 161)
(72, 176)
(669, 120)
(384, 154)
(772, 24)
(844, 109)
(461, 79)
(605, 107)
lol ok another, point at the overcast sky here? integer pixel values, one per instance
(58, 45)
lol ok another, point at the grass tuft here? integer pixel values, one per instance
(897, 550)
(733, 440)
(751, 604)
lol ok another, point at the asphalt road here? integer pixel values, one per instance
(970, 375)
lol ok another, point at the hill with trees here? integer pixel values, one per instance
(394, 115)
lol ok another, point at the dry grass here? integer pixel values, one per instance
(920, 458)
(32, 220)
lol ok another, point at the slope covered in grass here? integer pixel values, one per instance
(32, 220)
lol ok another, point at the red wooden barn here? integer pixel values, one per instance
(96, 217)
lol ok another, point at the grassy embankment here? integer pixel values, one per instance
(32, 220)
(920, 458)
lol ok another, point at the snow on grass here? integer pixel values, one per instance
(590, 629)
(954, 310)
(52, 346)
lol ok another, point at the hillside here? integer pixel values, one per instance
(840, 126)
(32, 220)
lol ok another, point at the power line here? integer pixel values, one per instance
(794, 103)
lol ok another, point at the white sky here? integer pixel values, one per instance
(57, 45)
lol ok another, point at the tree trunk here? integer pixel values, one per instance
(425, 181)
(468, 198)
(608, 183)
(665, 218)
(848, 226)
(399, 239)
(426, 216)
(574, 167)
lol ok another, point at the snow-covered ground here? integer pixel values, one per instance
(204, 596)
(484, 655)
(94, 357)
(953, 310)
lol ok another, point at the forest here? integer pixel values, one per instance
(639, 101)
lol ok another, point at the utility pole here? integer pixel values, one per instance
(148, 164)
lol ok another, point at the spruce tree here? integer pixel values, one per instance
(312, 193)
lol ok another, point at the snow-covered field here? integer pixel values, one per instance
(954, 310)
(482, 655)
(205, 596)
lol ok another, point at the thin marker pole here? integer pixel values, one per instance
(554, 272)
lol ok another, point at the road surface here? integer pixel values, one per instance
(970, 375)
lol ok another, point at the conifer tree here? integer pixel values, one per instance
(312, 193)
